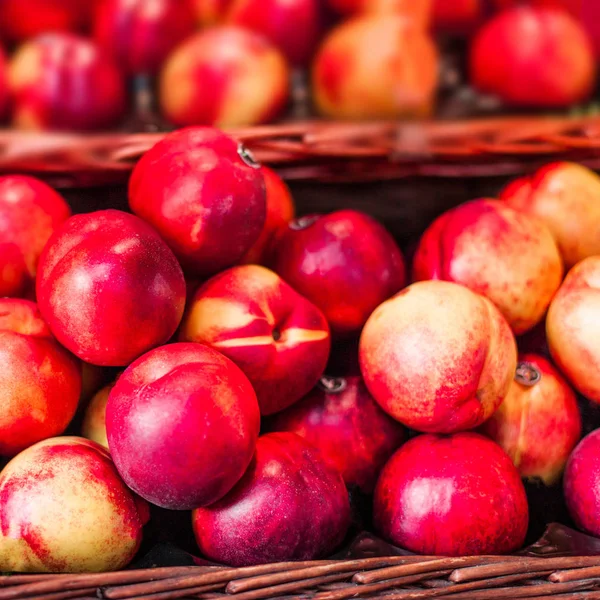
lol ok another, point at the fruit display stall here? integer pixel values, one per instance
(298, 299)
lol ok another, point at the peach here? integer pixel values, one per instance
(225, 76)
(290, 505)
(293, 26)
(64, 509)
(141, 33)
(211, 12)
(94, 422)
(509, 257)
(280, 211)
(4, 92)
(419, 11)
(566, 196)
(556, 68)
(328, 258)
(438, 357)
(582, 484)
(341, 419)
(279, 339)
(573, 327)
(21, 20)
(40, 382)
(456, 495)
(182, 423)
(30, 211)
(538, 424)
(43, 74)
(109, 287)
(204, 194)
(375, 66)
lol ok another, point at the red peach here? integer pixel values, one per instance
(109, 287)
(40, 382)
(509, 257)
(94, 422)
(62, 81)
(225, 76)
(64, 509)
(419, 11)
(204, 194)
(438, 357)
(294, 26)
(566, 196)
(141, 33)
(182, 423)
(4, 91)
(458, 16)
(341, 419)
(211, 12)
(30, 211)
(555, 68)
(451, 496)
(290, 505)
(329, 258)
(375, 66)
(538, 424)
(280, 211)
(573, 327)
(582, 484)
(278, 338)
(21, 20)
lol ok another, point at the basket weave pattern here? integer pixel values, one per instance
(330, 151)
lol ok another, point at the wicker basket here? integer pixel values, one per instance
(404, 174)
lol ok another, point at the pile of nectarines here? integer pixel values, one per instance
(193, 336)
(85, 65)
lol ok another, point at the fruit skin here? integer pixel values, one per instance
(537, 426)
(293, 26)
(20, 20)
(341, 419)
(556, 68)
(509, 257)
(109, 287)
(566, 197)
(280, 211)
(438, 357)
(280, 340)
(211, 12)
(160, 422)
(43, 72)
(141, 33)
(30, 211)
(4, 92)
(224, 76)
(327, 258)
(94, 422)
(573, 327)
(420, 11)
(64, 509)
(290, 505)
(451, 496)
(375, 67)
(40, 382)
(458, 16)
(582, 484)
(195, 188)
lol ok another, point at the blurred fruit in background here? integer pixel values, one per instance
(62, 81)
(4, 93)
(540, 57)
(210, 12)
(376, 66)
(225, 76)
(24, 19)
(417, 10)
(457, 16)
(141, 33)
